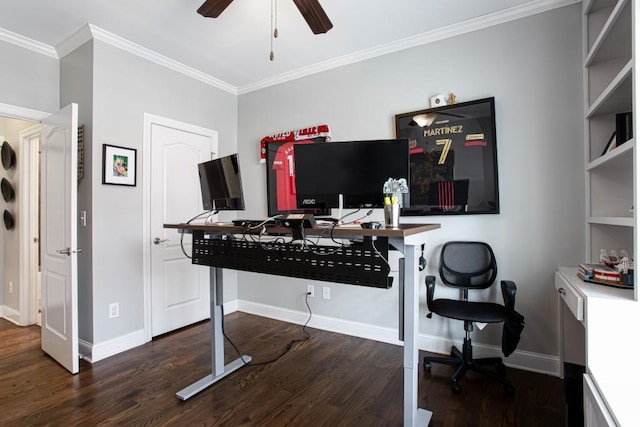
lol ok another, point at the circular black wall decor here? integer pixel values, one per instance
(8, 156)
(9, 223)
(7, 190)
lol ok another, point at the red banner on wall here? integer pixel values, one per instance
(295, 135)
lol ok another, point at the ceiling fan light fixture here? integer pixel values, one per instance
(311, 10)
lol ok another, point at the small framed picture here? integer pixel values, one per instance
(118, 165)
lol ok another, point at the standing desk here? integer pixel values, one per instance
(406, 239)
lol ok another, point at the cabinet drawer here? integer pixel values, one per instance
(571, 297)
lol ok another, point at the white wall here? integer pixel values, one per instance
(28, 79)
(533, 69)
(76, 86)
(126, 86)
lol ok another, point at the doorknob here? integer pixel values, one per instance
(68, 251)
(157, 241)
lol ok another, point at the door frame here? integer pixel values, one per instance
(149, 121)
(28, 215)
(27, 314)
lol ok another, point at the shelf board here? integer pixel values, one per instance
(591, 6)
(616, 97)
(611, 36)
(617, 153)
(612, 220)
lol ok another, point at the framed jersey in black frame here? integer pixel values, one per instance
(453, 161)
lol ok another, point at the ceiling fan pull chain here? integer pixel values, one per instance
(275, 19)
(274, 31)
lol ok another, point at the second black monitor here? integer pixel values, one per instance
(221, 184)
(355, 169)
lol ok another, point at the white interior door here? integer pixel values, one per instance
(59, 251)
(179, 290)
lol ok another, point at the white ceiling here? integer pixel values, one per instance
(234, 48)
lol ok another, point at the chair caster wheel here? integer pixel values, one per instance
(510, 389)
(455, 387)
(427, 365)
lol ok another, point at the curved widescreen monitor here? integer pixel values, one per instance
(356, 169)
(220, 184)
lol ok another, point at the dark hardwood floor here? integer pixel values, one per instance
(329, 380)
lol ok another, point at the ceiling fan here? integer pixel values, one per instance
(311, 10)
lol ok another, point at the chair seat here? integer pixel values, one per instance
(484, 312)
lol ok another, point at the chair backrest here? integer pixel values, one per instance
(469, 265)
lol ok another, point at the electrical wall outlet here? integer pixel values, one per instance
(326, 292)
(114, 310)
(311, 290)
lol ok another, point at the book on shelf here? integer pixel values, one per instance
(624, 128)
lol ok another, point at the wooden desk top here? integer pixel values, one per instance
(403, 230)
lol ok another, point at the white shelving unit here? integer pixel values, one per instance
(610, 87)
(609, 63)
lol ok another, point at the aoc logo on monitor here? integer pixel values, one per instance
(309, 201)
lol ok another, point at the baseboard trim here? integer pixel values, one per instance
(10, 314)
(230, 306)
(96, 352)
(525, 360)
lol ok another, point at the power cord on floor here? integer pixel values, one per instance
(289, 345)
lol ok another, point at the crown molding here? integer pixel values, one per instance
(475, 24)
(90, 31)
(27, 43)
(74, 41)
(21, 113)
(167, 62)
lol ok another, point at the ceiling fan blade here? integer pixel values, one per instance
(213, 8)
(314, 15)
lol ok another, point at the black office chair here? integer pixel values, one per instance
(470, 265)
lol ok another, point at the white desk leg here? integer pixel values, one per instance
(218, 369)
(413, 416)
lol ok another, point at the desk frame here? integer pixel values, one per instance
(406, 239)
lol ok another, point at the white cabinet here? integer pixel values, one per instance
(606, 338)
(595, 410)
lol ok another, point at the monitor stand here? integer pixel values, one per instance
(340, 206)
